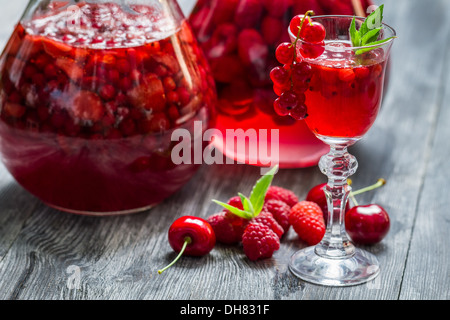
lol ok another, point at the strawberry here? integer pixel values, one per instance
(70, 68)
(306, 219)
(149, 94)
(87, 106)
(55, 49)
(259, 241)
(280, 211)
(14, 110)
(279, 193)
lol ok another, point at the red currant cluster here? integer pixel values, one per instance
(292, 79)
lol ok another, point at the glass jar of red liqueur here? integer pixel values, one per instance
(239, 38)
(90, 94)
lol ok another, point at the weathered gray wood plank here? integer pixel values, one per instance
(429, 254)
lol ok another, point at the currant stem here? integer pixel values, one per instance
(307, 14)
(187, 241)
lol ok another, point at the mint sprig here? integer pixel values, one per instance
(368, 33)
(254, 203)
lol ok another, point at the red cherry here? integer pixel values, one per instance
(367, 224)
(317, 195)
(190, 236)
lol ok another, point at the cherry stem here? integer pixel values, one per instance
(379, 183)
(187, 241)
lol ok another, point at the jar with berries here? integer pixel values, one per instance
(91, 93)
(239, 38)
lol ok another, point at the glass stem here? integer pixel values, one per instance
(338, 165)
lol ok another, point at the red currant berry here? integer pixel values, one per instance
(287, 101)
(279, 108)
(301, 72)
(279, 75)
(294, 25)
(285, 53)
(299, 112)
(312, 50)
(312, 32)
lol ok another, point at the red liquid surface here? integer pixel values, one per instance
(345, 93)
(86, 117)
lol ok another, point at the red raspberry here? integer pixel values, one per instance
(280, 211)
(259, 241)
(266, 218)
(228, 227)
(236, 202)
(279, 193)
(306, 219)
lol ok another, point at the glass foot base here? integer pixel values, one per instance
(359, 268)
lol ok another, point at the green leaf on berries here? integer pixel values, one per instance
(246, 203)
(240, 213)
(368, 33)
(259, 191)
(254, 204)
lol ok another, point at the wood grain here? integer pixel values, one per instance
(118, 257)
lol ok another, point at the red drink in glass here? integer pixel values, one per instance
(87, 112)
(345, 92)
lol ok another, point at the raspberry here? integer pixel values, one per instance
(280, 211)
(227, 227)
(279, 193)
(236, 202)
(266, 218)
(306, 219)
(259, 241)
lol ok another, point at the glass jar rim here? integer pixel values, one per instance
(351, 48)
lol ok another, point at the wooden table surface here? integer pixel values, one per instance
(44, 251)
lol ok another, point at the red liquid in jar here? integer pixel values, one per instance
(86, 117)
(345, 93)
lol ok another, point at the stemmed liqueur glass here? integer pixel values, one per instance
(343, 100)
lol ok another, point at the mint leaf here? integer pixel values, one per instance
(246, 203)
(373, 21)
(380, 42)
(241, 213)
(368, 33)
(253, 205)
(259, 191)
(354, 34)
(370, 36)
